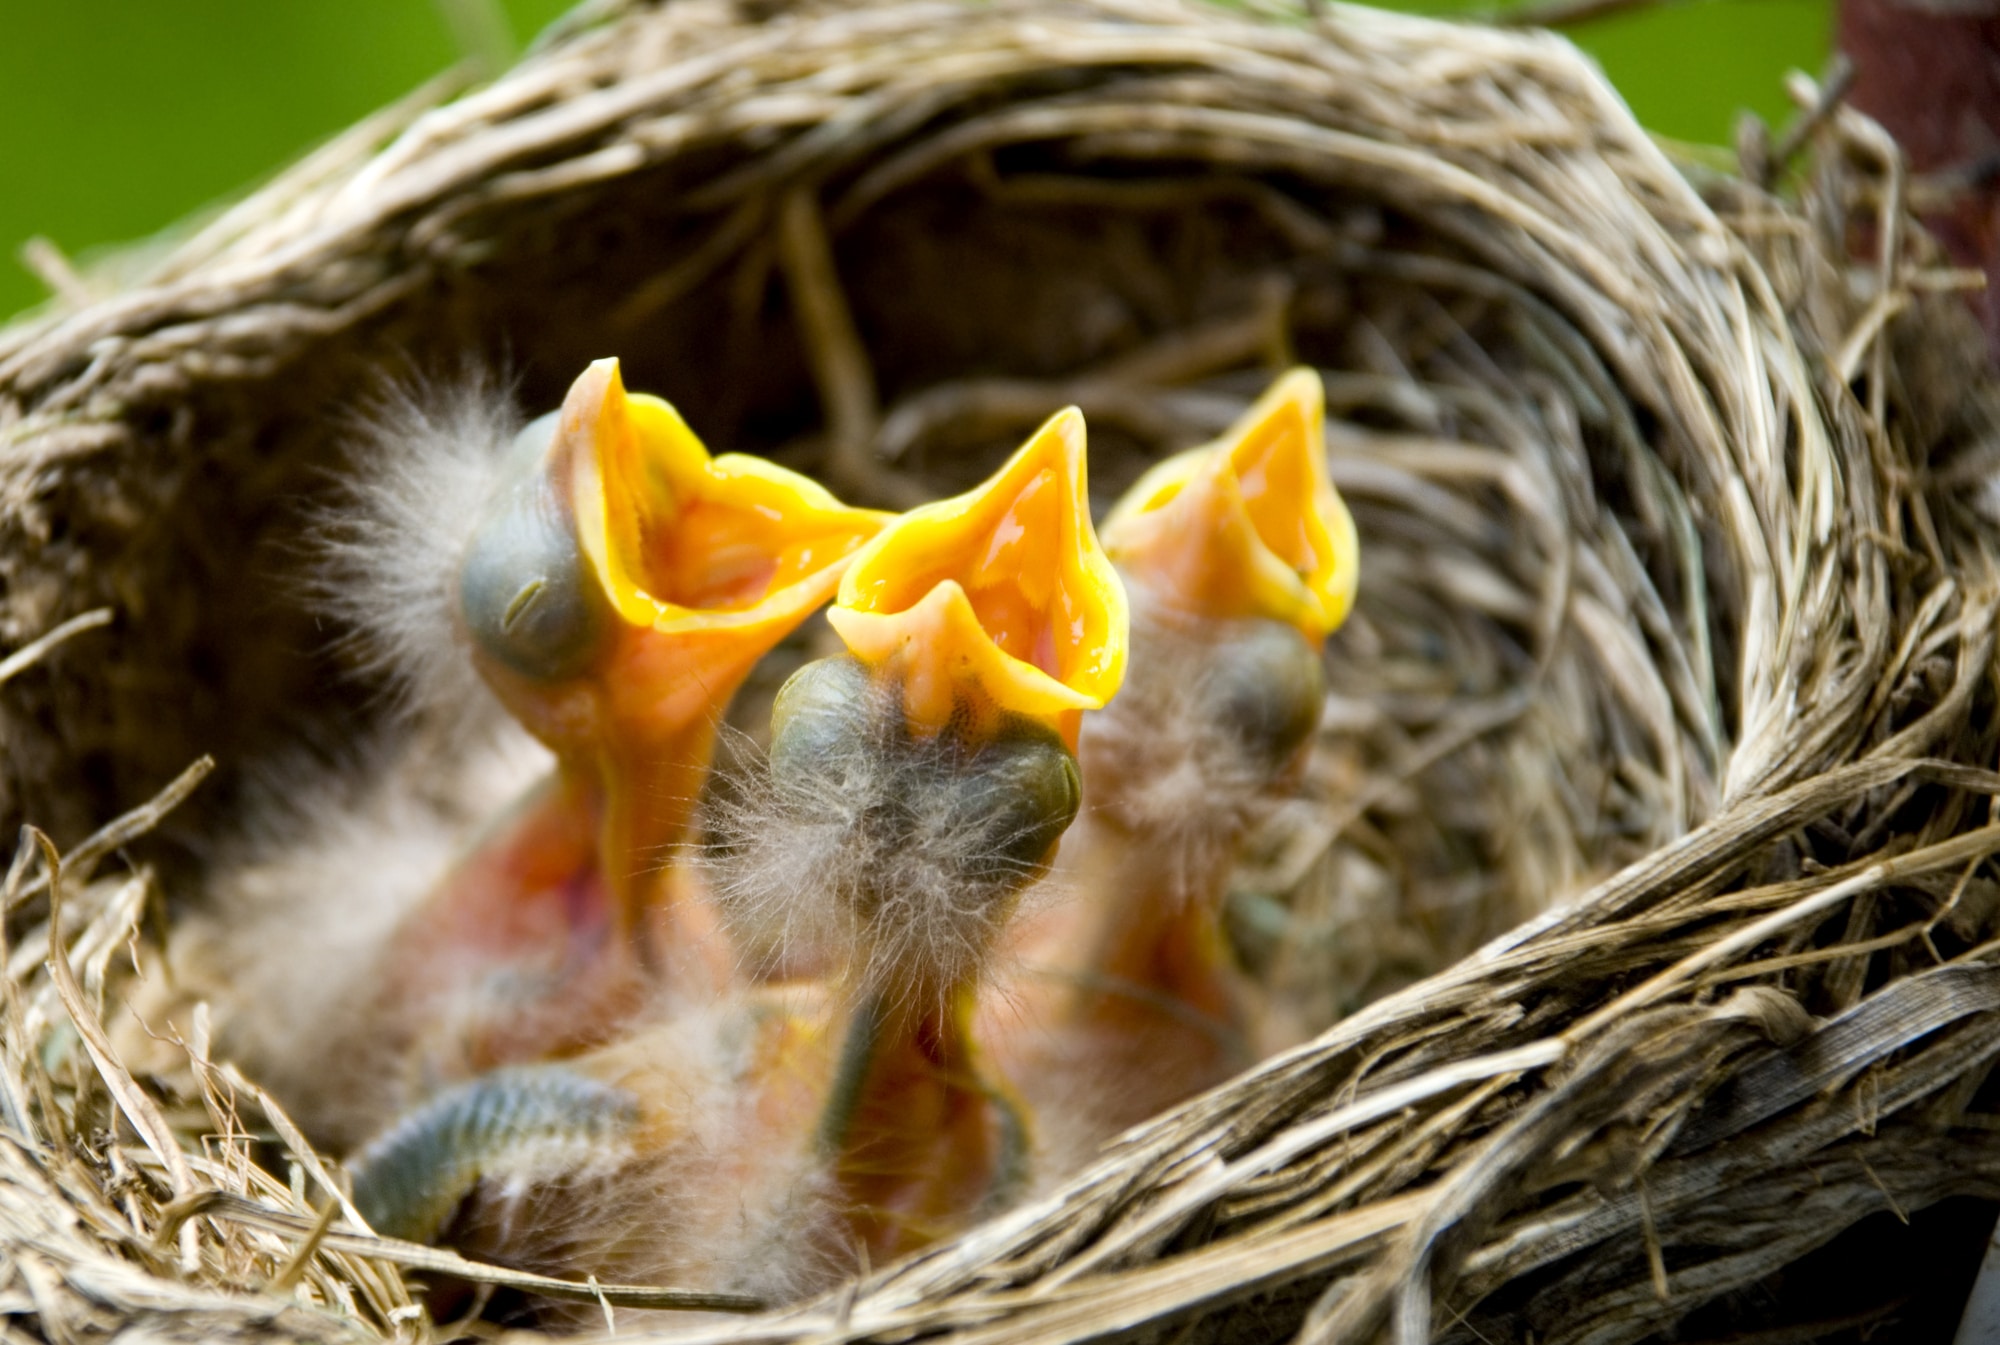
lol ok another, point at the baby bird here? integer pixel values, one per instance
(921, 783)
(915, 786)
(1240, 559)
(619, 587)
(613, 590)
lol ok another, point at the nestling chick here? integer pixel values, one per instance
(684, 1155)
(620, 586)
(613, 590)
(1240, 559)
(915, 786)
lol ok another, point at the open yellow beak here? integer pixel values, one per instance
(1248, 526)
(684, 542)
(1000, 598)
(705, 563)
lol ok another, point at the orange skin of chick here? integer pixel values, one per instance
(999, 601)
(927, 1149)
(1131, 1001)
(572, 907)
(532, 885)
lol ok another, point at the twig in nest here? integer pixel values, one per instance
(28, 655)
(221, 1204)
(482, 33)
(1757, 158)
(138, 1108)
(294, 1268)
(1124, 390)
(55, 270)
(1860, 342)
(296, 1145)
(692, 268)
(84, 859)
(1970, 844)
(839, 361)
(1818, 111)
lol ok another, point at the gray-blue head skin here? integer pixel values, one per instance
(986, 814)
(526, 594)
(896, 854)
(1265, 687)
(411, 1182)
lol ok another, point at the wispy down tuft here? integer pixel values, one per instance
(424, 461)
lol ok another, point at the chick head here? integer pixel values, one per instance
(1242, 558)
(918, 783)
(624, 581)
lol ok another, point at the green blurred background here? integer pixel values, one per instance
(118, 117)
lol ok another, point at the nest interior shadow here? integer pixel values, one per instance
(1672, 656)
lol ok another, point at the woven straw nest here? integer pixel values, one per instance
(1641, 889)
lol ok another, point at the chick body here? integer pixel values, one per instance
(753, 1147)
(681, 1155)
(620, 587)
(1124, 998)
(514, 956)
(906, 854)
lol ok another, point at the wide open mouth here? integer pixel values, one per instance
(1002, 592)
(1248, 525)
(683, 541)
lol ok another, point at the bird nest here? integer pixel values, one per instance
(1636, 913)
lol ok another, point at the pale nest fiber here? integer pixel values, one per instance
(1655, 785)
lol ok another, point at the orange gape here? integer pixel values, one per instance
(1247, 527)
(1240, 558)
(998, 600)
(619, 590)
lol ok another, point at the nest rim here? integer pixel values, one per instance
(1797, 681)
